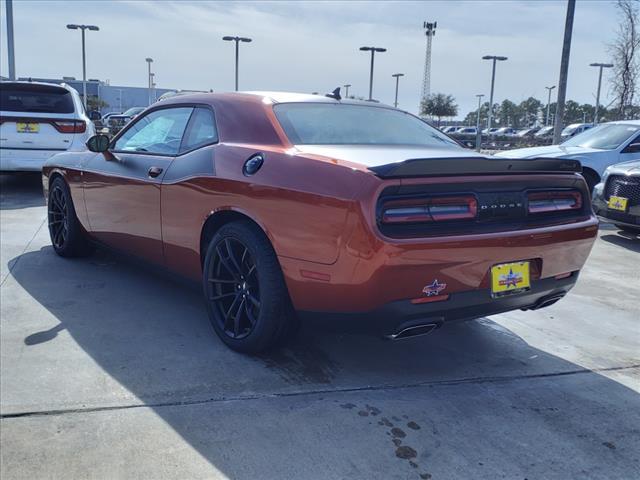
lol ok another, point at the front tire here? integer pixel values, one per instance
(247, 299)
(67, 235)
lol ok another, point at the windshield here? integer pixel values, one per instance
(340, 124)
(603, 137)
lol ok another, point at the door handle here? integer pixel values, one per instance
(155, 171)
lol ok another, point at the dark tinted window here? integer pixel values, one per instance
(157, 132)
(344, 124)
(201, 130)
(35, 98)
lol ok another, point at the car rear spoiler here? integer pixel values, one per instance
(419, 167)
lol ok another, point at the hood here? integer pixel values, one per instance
(377, 155)
(551, 151)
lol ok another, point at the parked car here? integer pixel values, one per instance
(527, 132)
(117, 121)
(617, 198)
(38, 120)
(451, 129)
(489, 131)
(596, 148)
(574, 129)
(292, 205)
(504, 132)
(466, 131)
(544, 132)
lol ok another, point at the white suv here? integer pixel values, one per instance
(38, 120)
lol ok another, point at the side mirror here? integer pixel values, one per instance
(632, 148)
(98, 143)
(94, 115)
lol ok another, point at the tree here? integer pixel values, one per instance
(95, 103)
(439, 105)
(508, 115)
(625, 51)
(530, 109)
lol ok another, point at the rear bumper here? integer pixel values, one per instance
(24, 159)
(396, 316)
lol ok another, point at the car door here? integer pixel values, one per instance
(122, 186)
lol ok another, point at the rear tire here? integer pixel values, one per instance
(67, 235)
(245, 293)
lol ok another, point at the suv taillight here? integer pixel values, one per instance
(437, 209)
(70, 126)
(540, 202)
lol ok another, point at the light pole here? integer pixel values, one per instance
(73, 26)
(601, 66)
(119, 100)
(493, 79)
(10, 46)
(478, 133)
(153, 88)
(397, 77)
(237, 40)
(346, 90)
(149, 61)
(373, 51)
(548, 103)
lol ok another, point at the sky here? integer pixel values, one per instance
(314, 46)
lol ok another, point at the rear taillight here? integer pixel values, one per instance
(430, 209)
(540, 202)
(70, 126)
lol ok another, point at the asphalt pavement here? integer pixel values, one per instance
(111, 370)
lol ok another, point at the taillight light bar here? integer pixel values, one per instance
(437, 209)
(540, 202)
(69, 126)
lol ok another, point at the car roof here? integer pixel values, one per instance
(267, 97)
(43, 84)
(625, 122)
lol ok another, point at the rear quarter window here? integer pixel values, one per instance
(35, 99)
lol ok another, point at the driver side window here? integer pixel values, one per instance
(158, 132)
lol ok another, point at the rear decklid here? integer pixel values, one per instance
(395, 161)
(36, 116)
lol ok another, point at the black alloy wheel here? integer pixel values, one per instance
(67, 235)
(246, 296)
(234, 288)
(58, 217)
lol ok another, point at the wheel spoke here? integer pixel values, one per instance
(250, 316)
(253, 300)
(233, 304)
(236, 318)
(224, 295)
(222, 280)
(226, 264)
(232, 256)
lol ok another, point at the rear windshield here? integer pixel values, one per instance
(344, 124)
(35, 98)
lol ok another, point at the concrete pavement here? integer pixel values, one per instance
(109, 370)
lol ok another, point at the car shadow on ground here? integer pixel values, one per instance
(151, 335)
(20, 190)
(625, 241)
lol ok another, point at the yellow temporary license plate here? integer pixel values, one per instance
(618, 203)
(27, 127)
(509, 278)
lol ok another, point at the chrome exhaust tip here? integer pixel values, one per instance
(413, 331)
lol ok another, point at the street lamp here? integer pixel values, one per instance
(153, 88)
(149, 61)
(493, 79)
(237, 40)
(397, 76)
(73, 26)
(548, 102)
(601, 66)
(373, 51)
(346, 90)
(478, 133)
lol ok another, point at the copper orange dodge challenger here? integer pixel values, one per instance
(285, 205)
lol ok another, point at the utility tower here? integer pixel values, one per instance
(430, 31)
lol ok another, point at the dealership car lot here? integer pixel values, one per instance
(111, 370)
